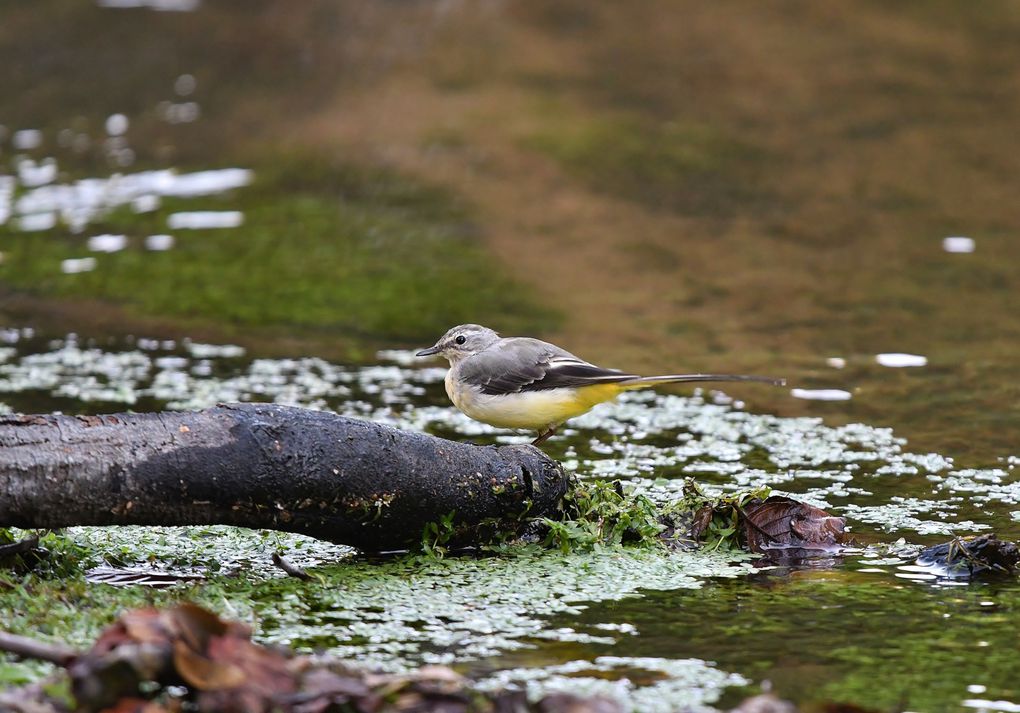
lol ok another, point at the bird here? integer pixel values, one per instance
(524, 383)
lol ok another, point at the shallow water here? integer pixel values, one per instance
(824, 193)
(659, 630)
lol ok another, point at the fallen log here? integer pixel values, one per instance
(264, 466)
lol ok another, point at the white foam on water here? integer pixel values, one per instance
(27, 139)
(107, 243)
(1007, 706)
(184, 85)
(145, 204)
(37, 221)
(204, 219)
(180, 112)
(117, 124)
(958, 244)
(204, 183)
(31, 173)
(75, 265)
(159, 242)
(81, 202)
(821, 394)
(899, 360)
(6, 196)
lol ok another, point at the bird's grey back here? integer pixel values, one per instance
(520, 364)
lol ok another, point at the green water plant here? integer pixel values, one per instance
(600, 514)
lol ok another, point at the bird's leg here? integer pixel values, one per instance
(544, 436)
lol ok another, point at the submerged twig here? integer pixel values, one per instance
(290, 568)
(27, 648)
(20, 547)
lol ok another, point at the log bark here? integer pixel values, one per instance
(263, 466)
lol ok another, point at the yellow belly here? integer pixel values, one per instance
(531, 410)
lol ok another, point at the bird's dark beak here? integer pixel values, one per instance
(430, 351)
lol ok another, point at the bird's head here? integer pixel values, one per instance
(461, 342)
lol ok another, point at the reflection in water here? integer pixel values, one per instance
(161, 5)
(494, 614)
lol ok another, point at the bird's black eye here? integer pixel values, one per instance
(460, 339)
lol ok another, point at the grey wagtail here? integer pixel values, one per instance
(525, 383)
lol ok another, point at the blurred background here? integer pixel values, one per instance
(789, 188)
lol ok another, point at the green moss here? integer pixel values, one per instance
(324, 246)
(688, 168)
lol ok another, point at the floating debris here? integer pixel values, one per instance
(968, 557)
(900, 360)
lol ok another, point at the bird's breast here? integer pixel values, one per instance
(532, 410)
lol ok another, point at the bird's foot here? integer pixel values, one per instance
(543, 436)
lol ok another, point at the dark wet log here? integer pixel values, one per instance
(263, 466)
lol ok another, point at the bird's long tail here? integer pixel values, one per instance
(640, 382)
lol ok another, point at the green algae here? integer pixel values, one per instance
(602, 616)
(318, 234)
(883, 643)
(688, 168)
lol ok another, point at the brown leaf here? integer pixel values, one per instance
(145, 626)
(204, 673)
(781, 522)
(765, 703)
(702, 519)
(134, 705)
(568, 703)
(194, 625)
(266, 671)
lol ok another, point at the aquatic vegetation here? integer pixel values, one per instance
(359, 229)
(689, 168)
(513, 613)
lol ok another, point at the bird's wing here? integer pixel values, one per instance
(523, 364)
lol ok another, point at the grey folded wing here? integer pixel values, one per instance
(522, 364)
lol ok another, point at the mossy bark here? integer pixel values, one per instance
(264, 466)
